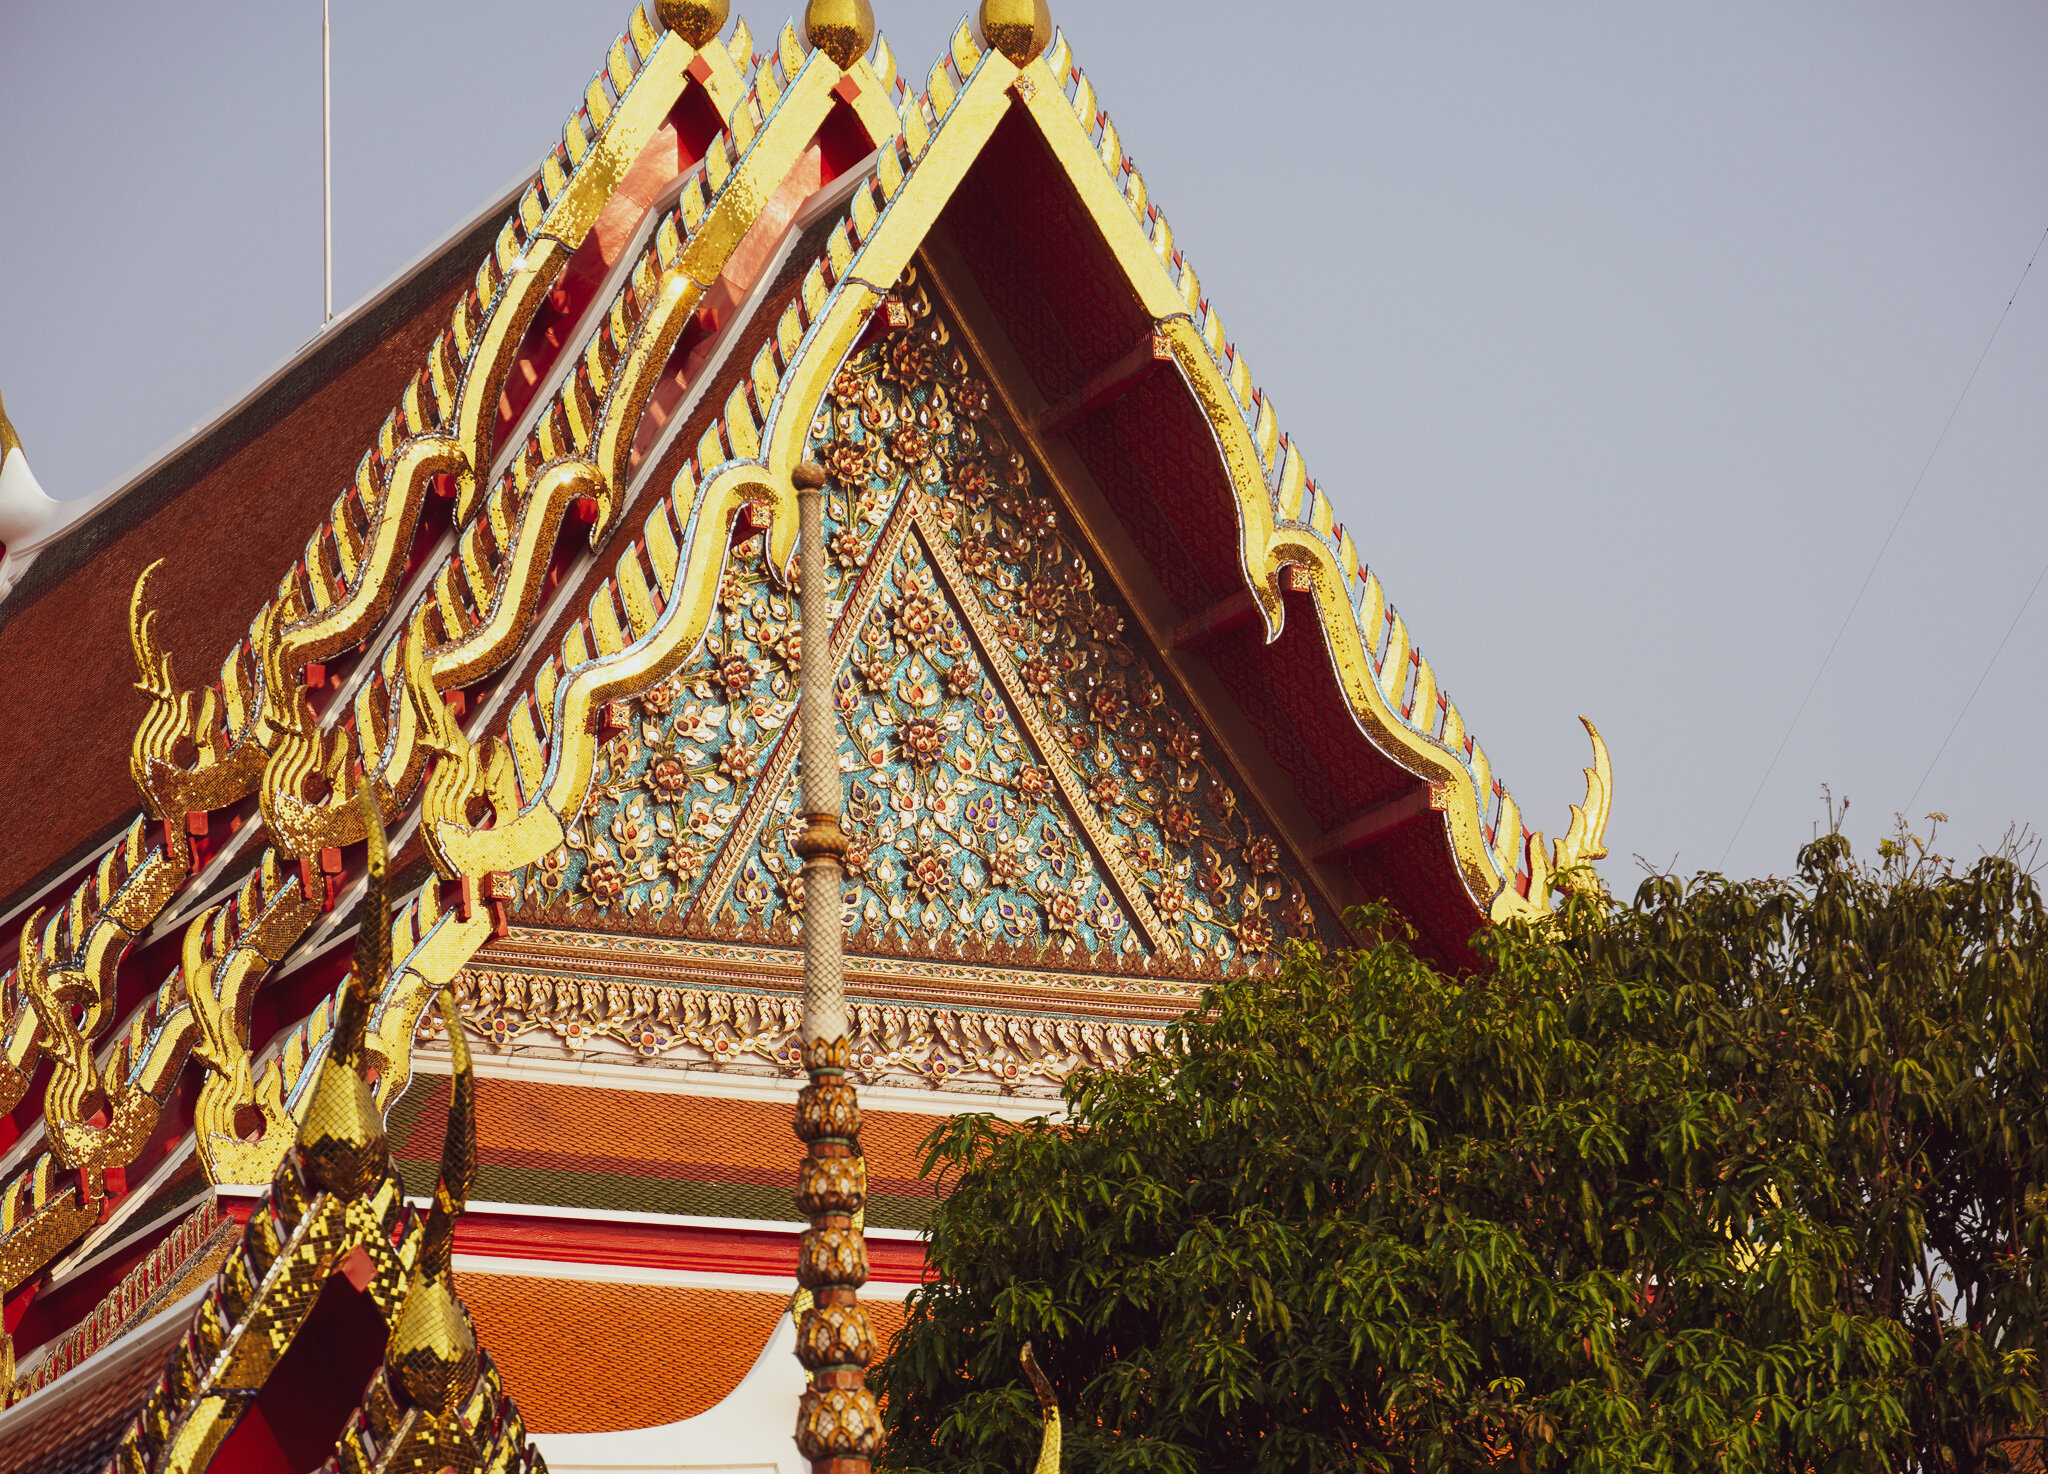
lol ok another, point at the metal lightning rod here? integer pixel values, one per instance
(326, 172)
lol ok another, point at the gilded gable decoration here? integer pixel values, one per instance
(1022, 781)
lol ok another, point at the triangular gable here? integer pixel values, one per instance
(1025, 780)
(655, 607)
(765, 428)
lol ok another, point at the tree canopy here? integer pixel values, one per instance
(1742, 1174)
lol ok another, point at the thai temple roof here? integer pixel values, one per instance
(507, 554)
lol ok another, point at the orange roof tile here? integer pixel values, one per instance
(583, 1356)
(542, 1136)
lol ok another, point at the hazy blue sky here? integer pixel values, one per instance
(1618, 333)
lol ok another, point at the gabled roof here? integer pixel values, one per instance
(66, 670)
(425, 644)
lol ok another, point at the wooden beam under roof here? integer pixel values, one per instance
(1110, 384)
(1235, 612)
(1381, 823)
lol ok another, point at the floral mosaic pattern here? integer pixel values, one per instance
(956, 827)
(668, 788)
(1021, 779)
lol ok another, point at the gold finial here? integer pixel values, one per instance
(8, 439)
(433, 1355)
(1020, 29)
(341, 1143)
(696, 21)
(842, 29)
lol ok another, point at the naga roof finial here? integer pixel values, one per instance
(696, 21)
(28, 514)
(1020, 29)
(1586, 840)
(842, 29)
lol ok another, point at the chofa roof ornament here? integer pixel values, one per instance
(28, 514)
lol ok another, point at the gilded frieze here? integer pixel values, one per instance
(756, 1032)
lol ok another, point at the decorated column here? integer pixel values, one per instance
(838, 1427)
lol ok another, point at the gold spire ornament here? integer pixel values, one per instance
(842, 29)
(1020, 29)
(696, 21)
(433, 1354)
(341, 1142)
(8, 439)
(838, 1426)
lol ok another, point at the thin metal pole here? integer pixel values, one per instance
(326, 171)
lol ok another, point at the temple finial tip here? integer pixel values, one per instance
(1020, 29)
(842, 29)
(696, 21)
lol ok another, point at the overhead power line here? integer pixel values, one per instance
(1983, 676)
(1885, 547)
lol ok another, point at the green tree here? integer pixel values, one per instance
(1742, 1175)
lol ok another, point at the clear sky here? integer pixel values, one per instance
(1618, 333)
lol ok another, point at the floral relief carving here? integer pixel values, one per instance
(1022, 779)
(512, 1011)
(669, 787)
(959, 832)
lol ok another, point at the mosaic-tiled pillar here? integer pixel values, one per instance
(838, 1428)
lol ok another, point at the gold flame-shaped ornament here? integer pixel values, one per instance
(341, 1141)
